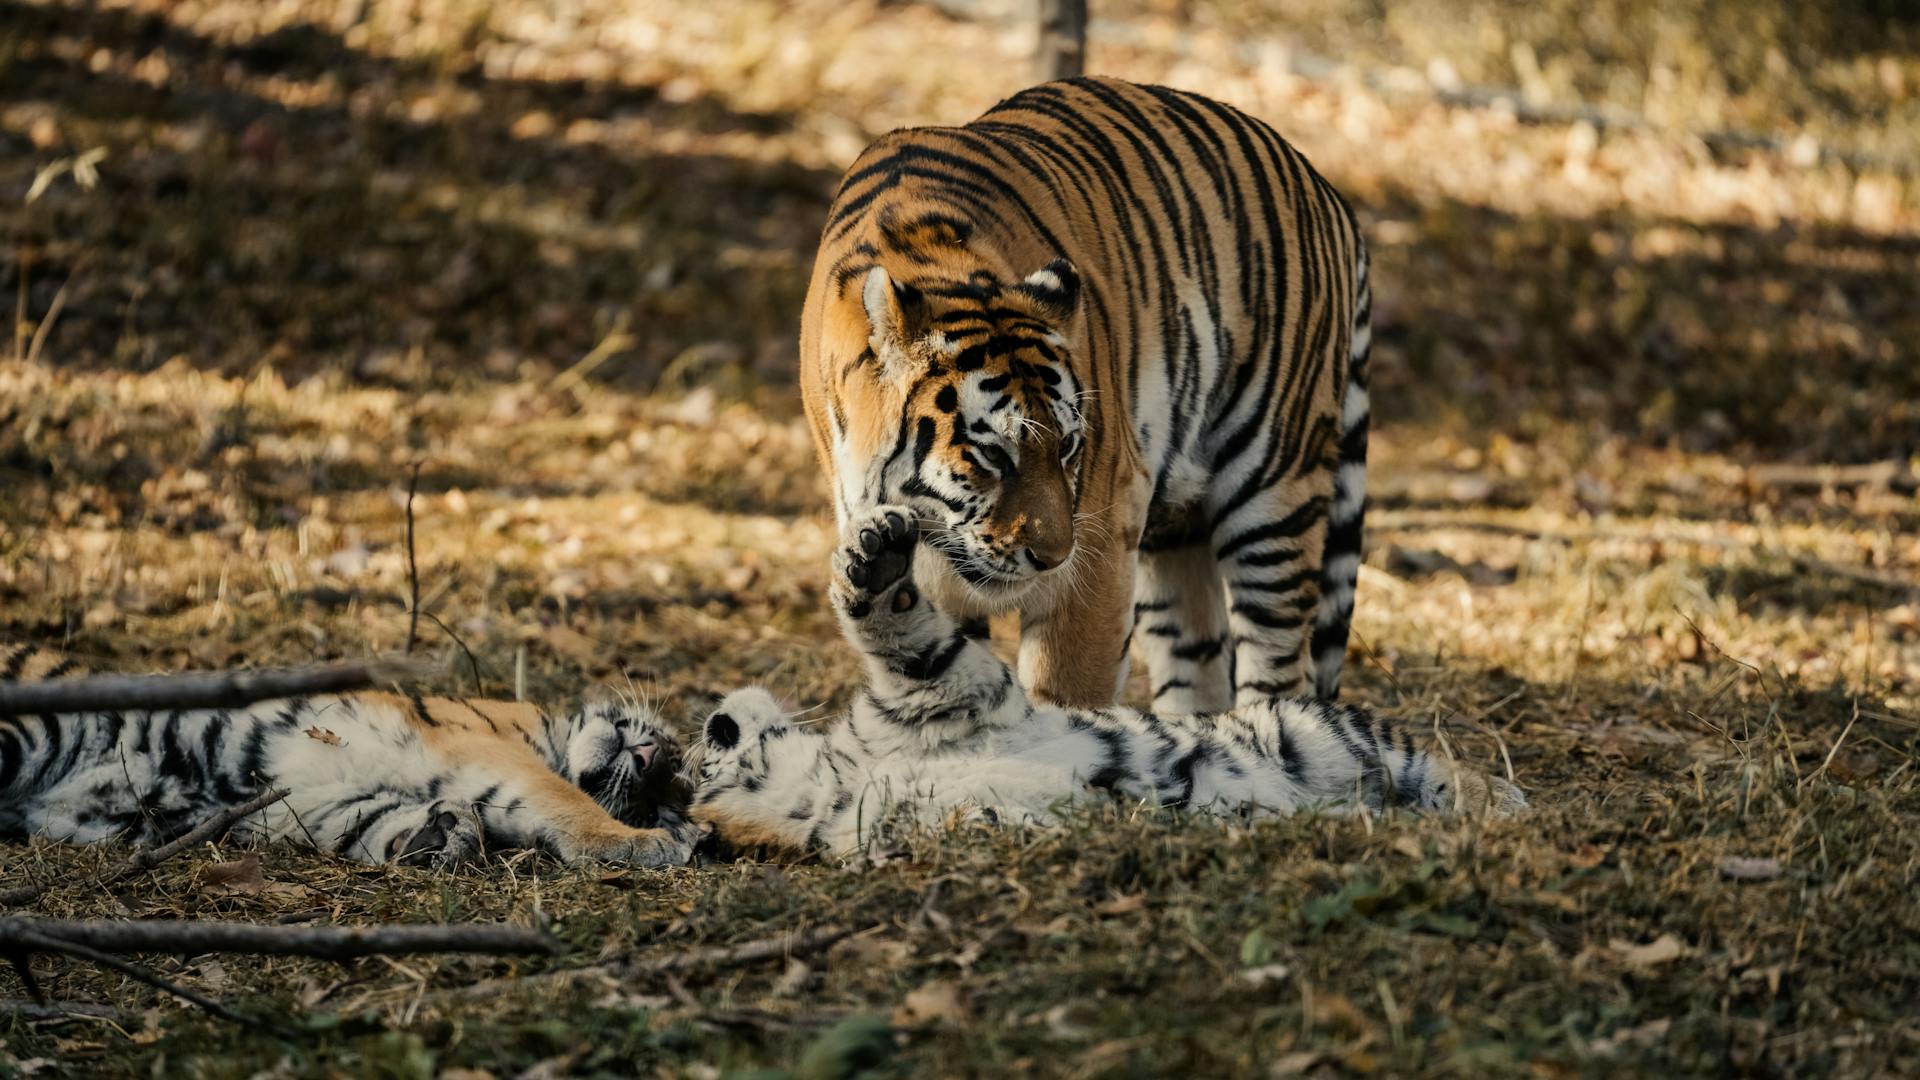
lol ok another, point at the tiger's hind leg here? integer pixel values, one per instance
(1180, 625)
(449, 838)
(1268, 549)
(373, 823)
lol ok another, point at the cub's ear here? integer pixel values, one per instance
(723, 731)
(897, 314)
(1054, 288)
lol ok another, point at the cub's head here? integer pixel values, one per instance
(956, 396)
(756, 775)
(619, 753)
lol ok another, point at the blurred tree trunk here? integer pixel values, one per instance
(1063, 38)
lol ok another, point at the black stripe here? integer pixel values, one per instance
(18, 662)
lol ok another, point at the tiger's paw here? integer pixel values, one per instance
(652, 849)
(867, 569)
(449, 839)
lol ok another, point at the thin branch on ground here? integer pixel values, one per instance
(19, 1009)
(191, 937)
(194, 689)
(43, 943)
(211, 829)
(413, 567)
(792, 944)
(478, 687)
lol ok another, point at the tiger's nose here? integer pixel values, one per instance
(1048, 552)
(1041, 561)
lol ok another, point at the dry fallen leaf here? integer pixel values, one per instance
(1294, 1064)
(1587, 857)
(323, 735)
(1264, 974)
(238, 878)
(1122, 905)
(1739, 868)
(867, 952)
(1661, 950)
(937, 1002)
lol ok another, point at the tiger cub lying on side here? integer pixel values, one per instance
(374, 777)
(943, 726)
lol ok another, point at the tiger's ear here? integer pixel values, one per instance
(1054, 288)
(897, 314)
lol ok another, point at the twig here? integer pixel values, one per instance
(413, 568)
(794, 944)
(471, 662)
(193, 689)
(46, 324)
(43, 943)
(191, 937)
(60, 1010)
(142, 861)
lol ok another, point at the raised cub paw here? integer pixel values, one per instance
(876, 558)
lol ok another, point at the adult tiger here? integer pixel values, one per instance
(371, 776)
(1110, 343)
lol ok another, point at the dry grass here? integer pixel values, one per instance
(556, 260)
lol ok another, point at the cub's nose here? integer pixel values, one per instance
(644, 753)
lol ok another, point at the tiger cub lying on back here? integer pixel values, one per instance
(373, 777)
(943, 726)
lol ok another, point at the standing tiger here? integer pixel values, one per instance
(1109, 343)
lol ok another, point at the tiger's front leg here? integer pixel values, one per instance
(1074, 640)
(548, 812)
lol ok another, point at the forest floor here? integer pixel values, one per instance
(1644, 524)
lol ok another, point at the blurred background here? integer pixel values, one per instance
(1650, 264)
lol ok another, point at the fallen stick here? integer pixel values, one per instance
(43, 943)
(792, 944)
(60, 1010)
(210, 829)
(190, 937)
(193, 689)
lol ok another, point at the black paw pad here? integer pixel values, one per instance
(420, 848)
(881, 554)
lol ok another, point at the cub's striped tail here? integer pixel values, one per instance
(1340, 558)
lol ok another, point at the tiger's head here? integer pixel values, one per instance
(957, 397)
(619, 753)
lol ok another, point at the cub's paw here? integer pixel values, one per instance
(449, 839)
(878, 556)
